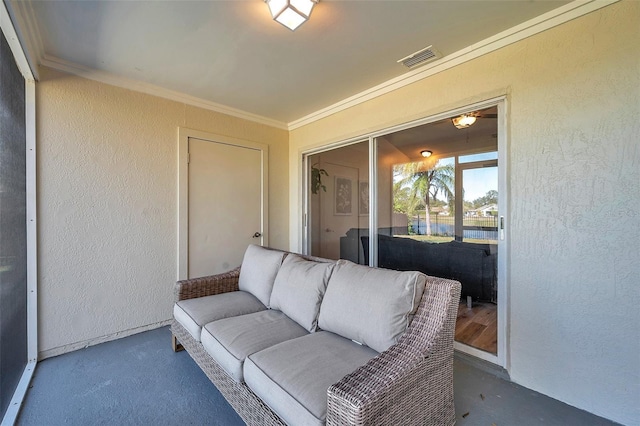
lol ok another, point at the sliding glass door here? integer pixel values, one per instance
(432, 202)
(438, 213)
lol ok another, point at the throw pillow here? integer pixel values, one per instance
(299, 288)
(369, 305)
(258, 271)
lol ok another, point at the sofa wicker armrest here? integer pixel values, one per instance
(207, 286)
(412, 381)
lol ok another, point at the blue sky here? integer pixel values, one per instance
(477, 182)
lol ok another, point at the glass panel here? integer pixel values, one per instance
(480, 205)
(338, 214)
(425, 224)
(422, 213)
(477, 260)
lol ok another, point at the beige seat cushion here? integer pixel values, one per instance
(258, 271)
(193, 314)
(293, 377)
(230, 340)
(370, 305)
(299, 287)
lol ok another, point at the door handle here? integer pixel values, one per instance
(257, 235)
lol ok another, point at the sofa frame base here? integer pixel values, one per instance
(250, 408)
(175, 345)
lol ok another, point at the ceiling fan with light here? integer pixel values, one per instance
(467, 119)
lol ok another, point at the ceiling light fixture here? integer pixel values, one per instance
(291, 13)
(426, 153)
(463, 121)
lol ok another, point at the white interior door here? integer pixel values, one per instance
(339, 207)
(225, 201)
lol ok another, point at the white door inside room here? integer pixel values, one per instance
(225, 203)
(338, 202)
(338, 208)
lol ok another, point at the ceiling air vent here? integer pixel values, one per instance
(420, 57)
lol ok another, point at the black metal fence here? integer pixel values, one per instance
(481, 227)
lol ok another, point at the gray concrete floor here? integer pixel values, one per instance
(139, 380)
(481, 398)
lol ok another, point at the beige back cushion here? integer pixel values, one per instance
(299, 288)
(258, 271)
(369, 305)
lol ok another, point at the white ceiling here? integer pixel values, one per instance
(232, 52)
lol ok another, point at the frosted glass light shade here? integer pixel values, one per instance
(291, 13)
(463, 121)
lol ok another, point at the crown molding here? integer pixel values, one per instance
(534, 26)
(24, 15)
(151, 89)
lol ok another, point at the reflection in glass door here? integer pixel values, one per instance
(437, 198)
(338, 202)
(477, 324)
(435, 210)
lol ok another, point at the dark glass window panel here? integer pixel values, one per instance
(13, 232)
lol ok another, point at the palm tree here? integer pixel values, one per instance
(426, 181)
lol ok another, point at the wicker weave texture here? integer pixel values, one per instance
(412, 382)
(250, 408)
(409, 384)
(207, 286)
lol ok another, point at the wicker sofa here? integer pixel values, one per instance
(289, 339)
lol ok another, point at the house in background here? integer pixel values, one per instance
(484, 211)
(107, 190)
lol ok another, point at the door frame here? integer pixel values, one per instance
(502, 359)
(184, 134)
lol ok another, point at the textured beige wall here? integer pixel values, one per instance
(573, 165)
(107, 200)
